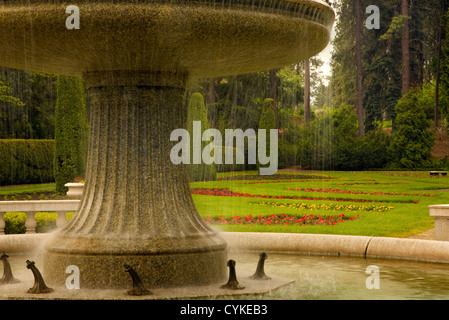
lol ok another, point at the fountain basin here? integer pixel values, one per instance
(202, 38)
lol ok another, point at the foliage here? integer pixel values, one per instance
(316, 141)
(267, 120)
(42, 105)
(290, 88)
(27, 104)
(229, 167)
(331, 142)
(26, 161)
(6, 95)
(71, 132)
(197, 112)
(382, 55)
(397, 23)
(412, 140)
(15, 222)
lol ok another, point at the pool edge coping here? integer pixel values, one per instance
(292, 243)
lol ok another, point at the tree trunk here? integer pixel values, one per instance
(307, 91)
(212, 100)
(272, 74)
(358, 48)
(212, 93)
(405, 49)
(436, 114)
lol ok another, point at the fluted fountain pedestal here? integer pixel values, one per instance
(137, 207)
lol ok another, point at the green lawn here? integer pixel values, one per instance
(384, 214)
(27, 188)
(404, 215)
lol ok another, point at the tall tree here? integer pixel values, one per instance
(358, 55)
(343, 78)
(439, 24)
(436, 109)
(273, 89)
(307, 91)
(405, 48)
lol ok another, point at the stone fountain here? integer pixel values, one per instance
(136, 58)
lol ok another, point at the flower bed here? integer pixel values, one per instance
(377, 193)
(278, 176)
(329, 207)
(281, 219)
(282, 181)
(228, 193)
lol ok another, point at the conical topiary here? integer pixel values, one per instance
(197, 112)
(71, 131)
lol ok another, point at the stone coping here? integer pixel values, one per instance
(293, 243)
(39, 205)
(439, 210)
(341, 245)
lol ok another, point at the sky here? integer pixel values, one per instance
(326, 55)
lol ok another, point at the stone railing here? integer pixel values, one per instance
(61, 207)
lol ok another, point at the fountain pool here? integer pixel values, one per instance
(315, 278)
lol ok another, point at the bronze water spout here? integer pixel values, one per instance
(232, 284)
(39, 283)
(138, 287)
(260, 273)
(7, 278)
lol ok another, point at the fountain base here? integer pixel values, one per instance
(164, 270)
(245, 268)
(252, 288)
(136, 208)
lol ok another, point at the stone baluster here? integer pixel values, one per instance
(30, 223)
(61, 222)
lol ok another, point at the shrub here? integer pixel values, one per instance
(231, 166)
(26, 161)
(412, 141)
(331, 142)
(316, 143)
(15, 222)
(288, 153)
(373, 148)
(45, 221)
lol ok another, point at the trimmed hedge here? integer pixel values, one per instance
(71, 132)
(26, 161)
(197, 112)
